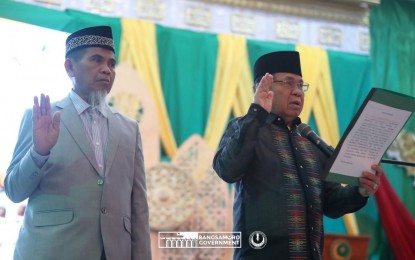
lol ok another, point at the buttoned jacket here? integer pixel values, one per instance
(73, 210)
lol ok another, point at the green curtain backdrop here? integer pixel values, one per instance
(66, 21)
(393, 53)
(393, 50)
(187, 63)
(187, 70)
(351, 75)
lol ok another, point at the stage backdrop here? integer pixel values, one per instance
(199, 81)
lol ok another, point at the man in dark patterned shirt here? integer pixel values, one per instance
(280, 194)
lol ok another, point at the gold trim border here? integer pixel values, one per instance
(350, 13)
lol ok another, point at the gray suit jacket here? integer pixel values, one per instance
(73, 211)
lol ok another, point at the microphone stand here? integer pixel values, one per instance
(398, 162)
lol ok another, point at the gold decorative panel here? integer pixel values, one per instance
(330, 36)
(151, 9)
(101, 6)
(288, 30)
(198, 16)
(243, 24)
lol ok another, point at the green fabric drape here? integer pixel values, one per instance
(393, 52)
(230, 61)
(138, 48)
(187, 63)
(351, 76)
(65, 21)
(319, 99)
(392, 47)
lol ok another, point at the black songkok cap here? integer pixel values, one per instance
(98, 36)
(279, 61)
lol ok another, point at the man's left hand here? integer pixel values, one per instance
(369, 181)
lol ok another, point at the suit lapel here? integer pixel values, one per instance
(114, 134)
(73, 123)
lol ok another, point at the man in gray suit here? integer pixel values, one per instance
(80, 164)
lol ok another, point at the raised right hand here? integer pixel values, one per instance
(263, 95)
(45, 128)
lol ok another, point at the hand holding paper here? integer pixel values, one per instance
(373, 129)
(369, 182)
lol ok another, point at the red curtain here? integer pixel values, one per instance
(397, 221)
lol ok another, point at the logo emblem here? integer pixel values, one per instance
(257, 240)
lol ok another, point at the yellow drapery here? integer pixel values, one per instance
(244, 95)
(138, 48)
(320, 98)
(233, 86)
(232, 54)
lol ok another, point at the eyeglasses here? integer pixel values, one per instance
(291, 84)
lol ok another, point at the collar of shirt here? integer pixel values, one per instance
(277, 120)
(81, 105)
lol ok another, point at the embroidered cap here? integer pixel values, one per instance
(279, 61)
(98, 36)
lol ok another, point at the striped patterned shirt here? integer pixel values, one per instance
(96, 126)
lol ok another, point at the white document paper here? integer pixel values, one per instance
(374, 131)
